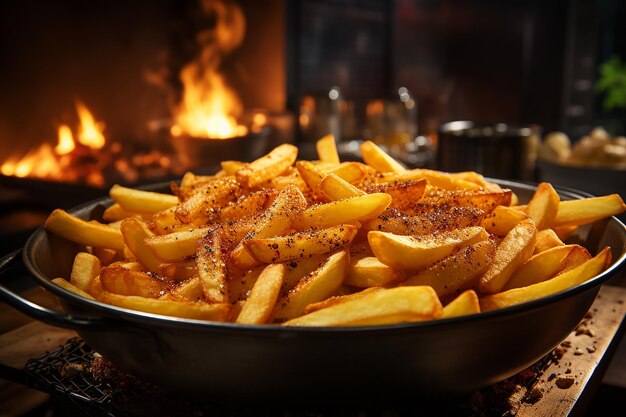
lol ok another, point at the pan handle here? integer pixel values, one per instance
(37, 312)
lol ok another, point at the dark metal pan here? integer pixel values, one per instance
(444, 357)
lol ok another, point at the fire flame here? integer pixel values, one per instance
(52, 162)
(209, 107)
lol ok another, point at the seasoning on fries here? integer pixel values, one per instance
(329, 243)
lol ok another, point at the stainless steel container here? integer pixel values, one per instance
(494, 150)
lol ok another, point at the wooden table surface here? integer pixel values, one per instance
(564, 388)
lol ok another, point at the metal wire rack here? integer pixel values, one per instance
(89, 385)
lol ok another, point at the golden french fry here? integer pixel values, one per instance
(203, 207)
(539, 267)
(176, 246)
(547, 239)
(165, 222)
(179, 271)
(474, 177)
(368, 271)
(85, 233)
(190, 290)
(120, 280)
(85, 269)
(300, 245)
(115, 212)
(338, 299)
(415, 253)
(336, 188)
(289, 177)
(190, 184)
(132, 199)
(397, 222)
(196, 311)
(241, 282)
(106, 256)
(136, 233)
(557, 284)
(351, 172)
(393, 305)
(565, 232)
(516, 247)
(436, 179)
(327, 149)
(485, 200)
(247, 206)
(404, 195)
(578, 256)
(318, 286)
(543, 206)
(71, 287)
(263, 295)
(457, 271)
(212, 269)
(588, 210)
(502, 219)
(275, 220)
(231, 167)
(465, 304)
(298, 269)
(378, 159)
(349, 210)
(274, 163)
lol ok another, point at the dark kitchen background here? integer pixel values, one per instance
(93, 93)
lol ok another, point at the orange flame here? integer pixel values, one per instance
(209, 108)
(90, 131)
(51, 162)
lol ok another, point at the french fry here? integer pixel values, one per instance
(457, 271)
(565, 232)
(336, 188)
(349, 210)
(338, 299)
(106, 256)
(119, 280)
(588, 210)
(115, 212)
(539, 267)
(394, 305)
(578, 256)
(397, 222)
(318, 286)
(262, 299)
(241, 282)
(404, 195)
(268, 166)
(351, 172)
(179, 271)
(547, 239)
(85, 233)
(132, 199)
(85, 268)
(415, 253)
(555, 285)
(474, 177)
(465, 304)
(231, 167)
(379, 159)
(543, 206)
(195, 311)
(485, 200)
(212, 269)
(176, 246)
(327, 149)
(300, 245)
(516, 247)
(165, 222)
(190, 184)
(298, 269)
(436, 179)
(61, 282)
(203, 207)
(368, 271)
(273, 222)
(247, 206)
(190, 291)
(502, 219)
(136, 233)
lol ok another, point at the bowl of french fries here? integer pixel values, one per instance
(289, 277)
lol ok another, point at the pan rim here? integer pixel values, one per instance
(140, 317)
